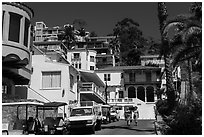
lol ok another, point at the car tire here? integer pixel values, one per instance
(93, 130)
(98, 126)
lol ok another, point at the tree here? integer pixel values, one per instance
(130, 39)
(165, 47)
(68, 36)
(186, 42)
(79, 24)
(93, 34)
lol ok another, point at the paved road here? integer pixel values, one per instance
(145, 127)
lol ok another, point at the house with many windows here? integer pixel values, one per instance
(132, 86)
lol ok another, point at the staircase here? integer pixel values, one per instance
(146, 110)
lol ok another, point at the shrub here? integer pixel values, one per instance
(186, 119)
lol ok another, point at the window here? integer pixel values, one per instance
(132, 77)
(104, 60)
(27, 25)
(76, 55)
(76, 65)
(148, 76)
(131, 92)
(107, 77)
(51, 79)
(121, 95)
(71, 81)
(141, 93)
(150, 94)
(91, 67)
(91, 58)
(79, 65)
(3, 21)
(4, 89)
(14, 26)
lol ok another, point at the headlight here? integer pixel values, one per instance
(89, 121)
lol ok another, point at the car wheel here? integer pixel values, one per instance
(93, 130)
(98, 126)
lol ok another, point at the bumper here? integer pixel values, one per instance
(81, 126)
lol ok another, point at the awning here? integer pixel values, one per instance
(54, 104)
(91, 77)
(22, 103)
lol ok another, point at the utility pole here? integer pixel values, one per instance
(106, 96)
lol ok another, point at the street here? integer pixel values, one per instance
(145, 127)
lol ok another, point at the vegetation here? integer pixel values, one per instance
(165, 48)
(184, 47)
(130, 41)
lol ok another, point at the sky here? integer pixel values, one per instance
(102, 17)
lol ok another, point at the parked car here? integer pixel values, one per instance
(114, 115)
(86, 117)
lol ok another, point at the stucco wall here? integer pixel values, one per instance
(54, 94)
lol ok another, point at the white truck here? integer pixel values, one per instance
(85, 117)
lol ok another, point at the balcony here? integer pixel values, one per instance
(97, 45)
(50, 46)
(127, 101)
(76, 59)
(92, 92)
(121, 100)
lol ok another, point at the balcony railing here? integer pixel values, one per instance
(92, 88)
(76, 59)
(121, 100)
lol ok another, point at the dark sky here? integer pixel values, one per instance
(101, 17)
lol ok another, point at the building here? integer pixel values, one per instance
(52, 80)
(148, 60)
(156, 60)
(82, 59)
(105, 56)
(16, 54)
(43, 33)
(16, 46)
(91, 87)
(132, 86)
(49, 41)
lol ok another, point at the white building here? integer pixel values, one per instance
(82, 59)
(132, 86)
(52, 80)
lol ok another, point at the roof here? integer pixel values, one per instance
(54, 104)
(122, 68)
(22, 103)
(92, 77)
(46, 42)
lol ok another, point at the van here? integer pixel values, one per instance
(85, 117)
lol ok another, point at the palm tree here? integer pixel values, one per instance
(170, 91)
(68, 36)
(187, 41)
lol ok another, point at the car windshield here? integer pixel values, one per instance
(81, 112)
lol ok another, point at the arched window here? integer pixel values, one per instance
(141, 93)
(131, 92)
(150, 94)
